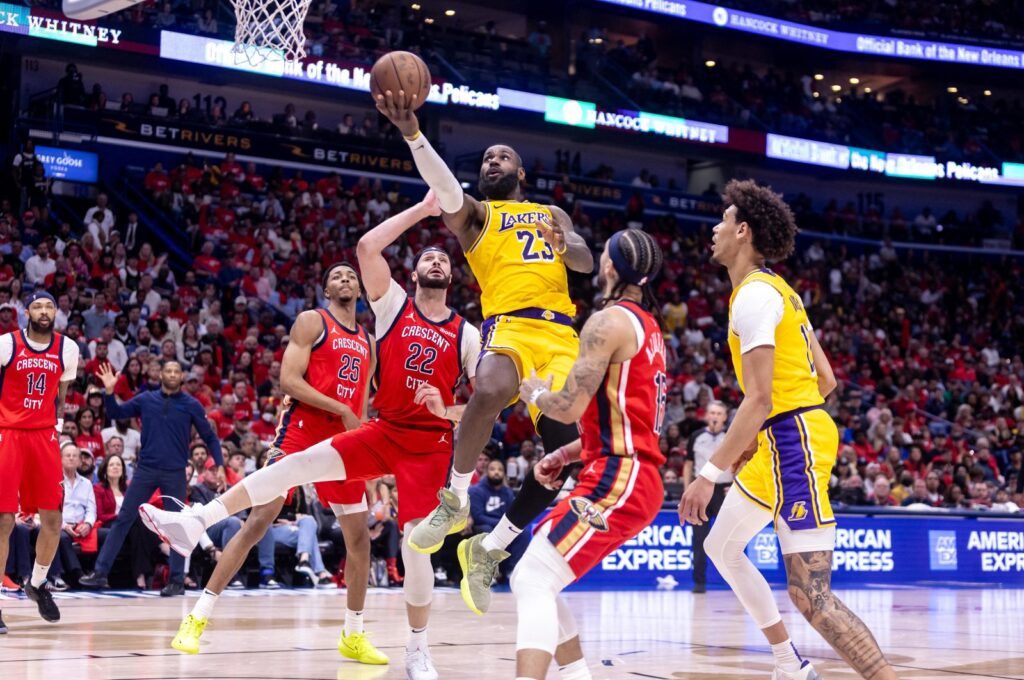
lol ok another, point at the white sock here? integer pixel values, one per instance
(786, 656)
(353, 622)
(501, 535)
(39, 574)
(417, 639)
(212, 512)
(204, 607)
(460, 485)
(577, 670)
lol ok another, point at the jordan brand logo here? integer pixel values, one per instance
(443, 439)
(411, 317)
(334, 331)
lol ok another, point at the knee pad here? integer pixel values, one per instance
(536, 582)
(418, 587)
(567, 629)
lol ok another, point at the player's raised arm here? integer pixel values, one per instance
(575, 251)
(606, 335)
(307, 328)
(463, 214)
(372, 265)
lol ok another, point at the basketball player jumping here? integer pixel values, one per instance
(425, 349)
(38, 365)
(326, 373)
(617, 391)
(790, 440)
(519, 252)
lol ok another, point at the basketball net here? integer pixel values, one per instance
(270, 30)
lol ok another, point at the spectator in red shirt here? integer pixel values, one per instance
(518, 428)
(88, 433)
(93, 366)
(266, 427)
(205, 262)
(882, 495)
(223, 418)
(8, 318)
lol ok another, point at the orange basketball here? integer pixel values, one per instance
(401, 71)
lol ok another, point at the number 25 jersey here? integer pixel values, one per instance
(412, 350)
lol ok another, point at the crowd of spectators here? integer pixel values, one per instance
(926, 349)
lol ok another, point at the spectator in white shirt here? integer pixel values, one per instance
(40, 265)
(145, 295)
(106, 221)
(117, 353)
(79, 515)
(131, 440)
(519, 465)
(379, 208)
(60, 320)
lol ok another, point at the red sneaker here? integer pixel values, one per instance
(9, 584)
(394, 578)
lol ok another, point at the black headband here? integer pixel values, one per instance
(621, 264)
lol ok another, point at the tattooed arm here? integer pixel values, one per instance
(810, 588)
(608, 337)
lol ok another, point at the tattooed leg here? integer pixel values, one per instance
(810, 588)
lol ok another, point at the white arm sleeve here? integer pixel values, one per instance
(470, 349)
(437, 175)
(756, 312)
(6, 348)
(387, 307)
(71, 355)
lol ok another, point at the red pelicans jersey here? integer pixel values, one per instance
(30, 381)
(625, 415)
(339, 367)
(413, 350)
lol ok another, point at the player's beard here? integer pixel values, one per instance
(502, 188)
(434, 283)
(40, 329)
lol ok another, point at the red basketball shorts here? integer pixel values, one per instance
(614, 499)
(294, 436)
(30, 470)
(418, 459)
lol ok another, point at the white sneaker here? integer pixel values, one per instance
(806, 672)
(180, 530)
(419, 665)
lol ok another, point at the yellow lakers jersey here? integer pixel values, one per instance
(515, 267)
(795, 380)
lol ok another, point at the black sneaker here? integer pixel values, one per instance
(44, 600)
(172, 589)
(236, 584)
(700, 588)
(304, 567)
(94, 579)
(3, 626)
(58, 584)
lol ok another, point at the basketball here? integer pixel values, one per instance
(401, 71)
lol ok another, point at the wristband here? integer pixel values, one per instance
(60, 425)
(711, 472)
(535, 395)
(565, 247)
(413, 138)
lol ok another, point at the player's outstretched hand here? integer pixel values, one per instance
(549, 468)
(430, 396)
(106, 374)
(552, 235)
(399, 110)
(533, 386)
(694, 503)
(430, 204)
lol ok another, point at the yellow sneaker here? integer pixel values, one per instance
(187, 639)
(359, 648)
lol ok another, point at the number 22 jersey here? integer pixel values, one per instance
(412, 350)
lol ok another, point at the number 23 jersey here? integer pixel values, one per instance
(30, 378)
(412, 350)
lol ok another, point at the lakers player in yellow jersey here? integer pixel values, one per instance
(789, 439)
(520, 252)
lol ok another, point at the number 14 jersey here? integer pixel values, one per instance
(30, 378)
(412, 350)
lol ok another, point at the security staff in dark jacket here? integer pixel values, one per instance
(702, 445)
(168, 416)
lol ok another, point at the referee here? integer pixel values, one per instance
(702, 445)
(168, 416)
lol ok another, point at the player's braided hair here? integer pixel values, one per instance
(768, 215)
(637, 259)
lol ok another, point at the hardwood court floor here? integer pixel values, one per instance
(930, 635)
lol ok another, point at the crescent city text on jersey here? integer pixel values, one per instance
(357, 344)
(37, 362)
(427, 334)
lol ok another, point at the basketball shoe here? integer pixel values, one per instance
(806, 672)
(358, 647)
(447, 518)
(180, 530)
(191, 629)
(419, 665)
(478, 569)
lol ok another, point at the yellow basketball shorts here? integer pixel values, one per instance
(547, 347)
(790, 471)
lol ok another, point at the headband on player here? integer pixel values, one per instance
(343, 263)
(40, 295)
(416, 260)
(622, 266)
